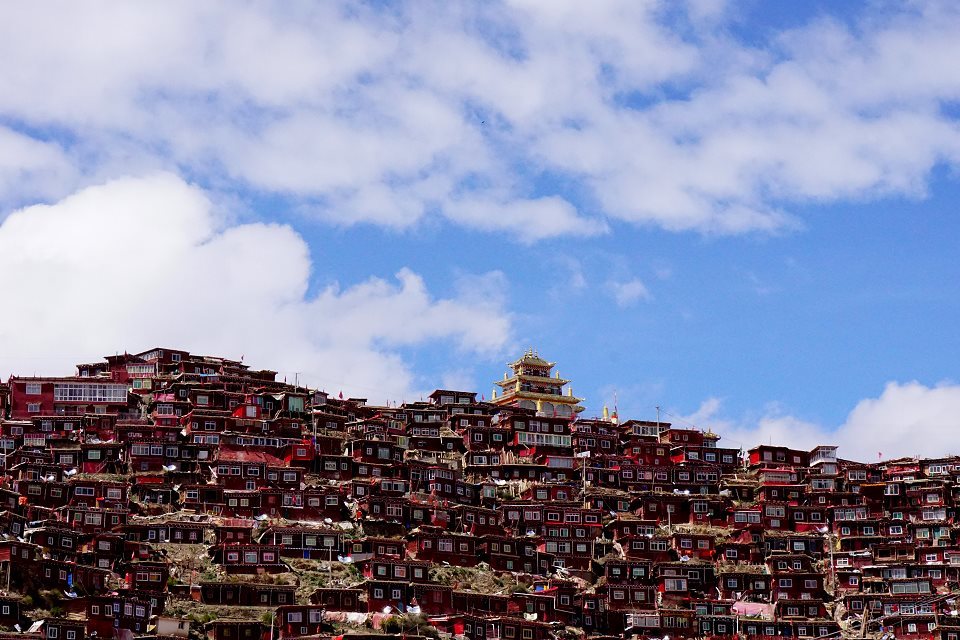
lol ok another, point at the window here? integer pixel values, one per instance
(33, 389)
(34, 407)
(675, 584)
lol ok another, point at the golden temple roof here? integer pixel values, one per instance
(532, 358)
(533, 395)
(531, 378)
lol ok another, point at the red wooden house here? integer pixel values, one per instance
(435, 545)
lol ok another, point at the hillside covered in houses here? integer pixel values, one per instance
(169, 495)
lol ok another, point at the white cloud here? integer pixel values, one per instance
(526, 220)
(489, 116)
(906, 419)
(663, 272)
(31, 168)
(759, 285)
(144, 261)
(570, 279)
(629, 292)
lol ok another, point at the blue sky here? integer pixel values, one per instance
(741, 212)
(813, 319)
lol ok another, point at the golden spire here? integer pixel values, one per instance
(539, 405)
(606, 413)
(494, 393)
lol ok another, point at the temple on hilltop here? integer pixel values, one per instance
(533, 386)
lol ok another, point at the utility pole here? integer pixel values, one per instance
(833, 570)
(936, 615)
(583, 470)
